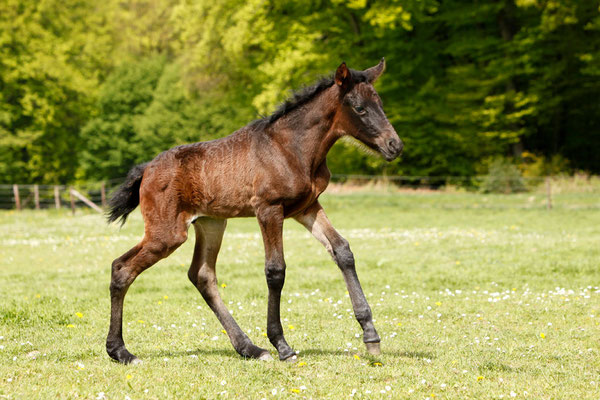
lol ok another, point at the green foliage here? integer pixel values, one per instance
(503, 177)
(533, 165)
(145, 109)
(88, 89)
(110, 136)
(52, 55)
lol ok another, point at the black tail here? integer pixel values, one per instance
(127, 197)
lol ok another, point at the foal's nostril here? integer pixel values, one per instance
(395, 145)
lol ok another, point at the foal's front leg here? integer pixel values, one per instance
(316, 221)
(270, 219)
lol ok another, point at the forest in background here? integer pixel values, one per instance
(88, 89)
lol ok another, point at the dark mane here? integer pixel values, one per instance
(303, 96)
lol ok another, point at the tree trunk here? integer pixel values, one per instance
(509, 26)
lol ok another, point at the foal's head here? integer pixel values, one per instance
(362, 115)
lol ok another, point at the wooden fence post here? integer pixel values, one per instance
(72, 199)
(548, 194)
(36, 196)
(56, 198)
(17, 198)
(103, 194)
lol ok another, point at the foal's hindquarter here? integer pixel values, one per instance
(246, 174)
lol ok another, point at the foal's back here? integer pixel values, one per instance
(216, 178)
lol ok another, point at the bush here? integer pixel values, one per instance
(502, 177)
(533, 165)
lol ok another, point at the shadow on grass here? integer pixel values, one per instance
(198, 352)
(396, 354)
(201, 353)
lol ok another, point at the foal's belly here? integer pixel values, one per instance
(226, 201)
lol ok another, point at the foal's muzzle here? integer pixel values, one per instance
(392, 147)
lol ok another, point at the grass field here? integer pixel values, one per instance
(474, 296)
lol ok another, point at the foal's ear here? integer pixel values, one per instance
(375, 72)
(342, 76)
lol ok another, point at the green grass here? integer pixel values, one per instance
(462, 287)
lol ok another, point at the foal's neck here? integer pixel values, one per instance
(311, 129)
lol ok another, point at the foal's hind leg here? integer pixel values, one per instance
(209, 233)
(124, 271)
(315, 220)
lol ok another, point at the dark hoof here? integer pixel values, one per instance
(373, 348)
(291, 359)
(124, 357)
(289, 356)
(249, 350)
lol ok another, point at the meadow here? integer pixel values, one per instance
(474, 296)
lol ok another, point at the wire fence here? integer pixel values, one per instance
(574, 191)
(474, 182)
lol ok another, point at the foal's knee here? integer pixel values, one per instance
(343, 255)
(275, 273)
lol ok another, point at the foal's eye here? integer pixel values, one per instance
(359, 109)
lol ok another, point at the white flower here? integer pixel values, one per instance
(100, 396)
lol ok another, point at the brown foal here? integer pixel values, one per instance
(273, 168)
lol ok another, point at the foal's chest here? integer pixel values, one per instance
(315, 187)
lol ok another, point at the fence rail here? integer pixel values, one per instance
(26, 196)
(94, 194)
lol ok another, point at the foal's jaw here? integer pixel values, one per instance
(386, 143)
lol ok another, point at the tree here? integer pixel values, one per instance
(52, 54)
(110, 137)
(89, 89)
